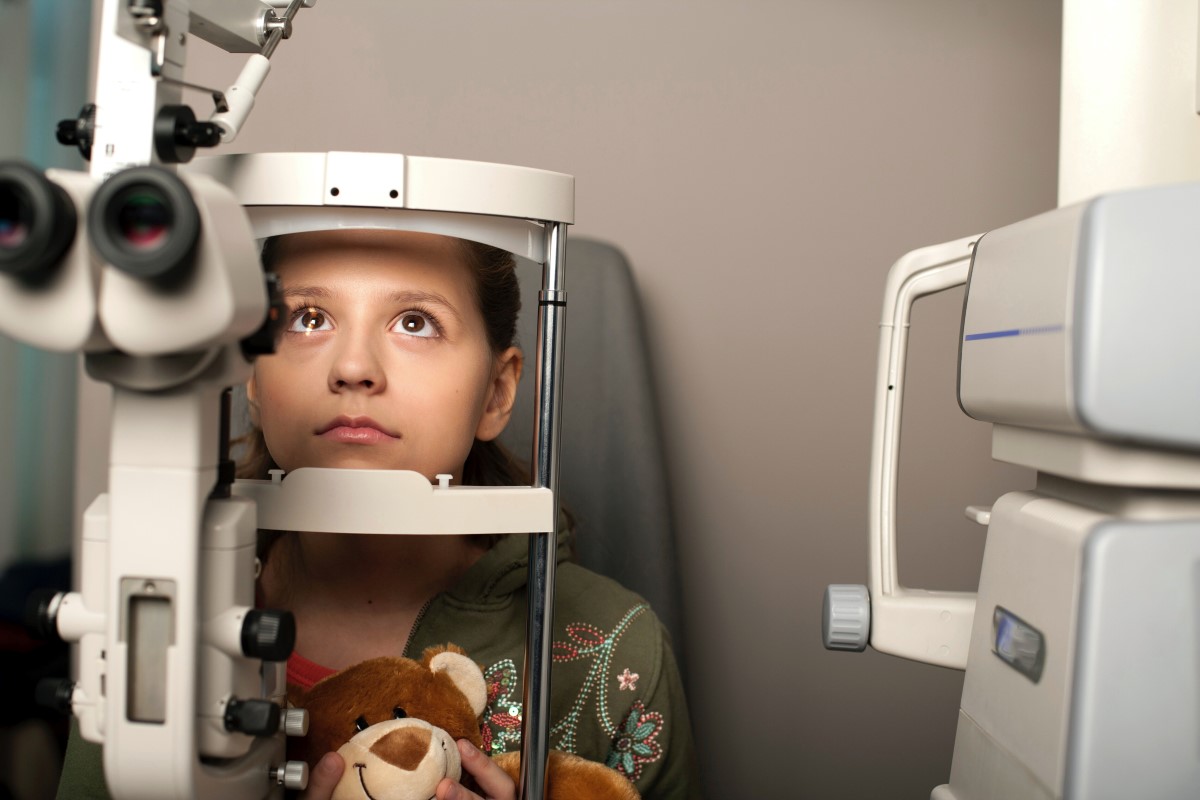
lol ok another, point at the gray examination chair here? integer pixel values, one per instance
(612, 473)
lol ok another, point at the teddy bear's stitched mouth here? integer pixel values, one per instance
(361, 781)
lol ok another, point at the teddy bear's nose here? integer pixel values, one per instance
(404, 747)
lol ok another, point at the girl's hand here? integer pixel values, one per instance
(493, 781)
(324, 777)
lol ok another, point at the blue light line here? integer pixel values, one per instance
(1004, 334)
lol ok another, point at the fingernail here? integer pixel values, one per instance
(467, 749)
(452, 793)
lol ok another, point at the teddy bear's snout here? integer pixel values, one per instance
(404, 747)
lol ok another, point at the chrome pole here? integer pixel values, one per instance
(535, 728)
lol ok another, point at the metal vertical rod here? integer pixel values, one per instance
(535, 729)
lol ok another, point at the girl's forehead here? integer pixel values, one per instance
(334, 258)
(350, 246)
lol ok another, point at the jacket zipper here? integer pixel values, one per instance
(413, 630)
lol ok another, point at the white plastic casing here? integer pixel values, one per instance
(227, 574)
(1083, 320)
(933, 626)
(91, 601)
(394, 502)
(497, 204)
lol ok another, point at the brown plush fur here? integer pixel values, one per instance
(374, 688)
(570, 777)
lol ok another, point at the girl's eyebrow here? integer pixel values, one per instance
(306, 291)
(422, 297)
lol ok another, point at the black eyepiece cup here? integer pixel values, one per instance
(37, 222)
(144, 222)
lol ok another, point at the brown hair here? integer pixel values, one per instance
(499, 297)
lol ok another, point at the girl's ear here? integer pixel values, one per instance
(501, 394)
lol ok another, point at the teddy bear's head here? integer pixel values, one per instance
(395, 722)
(402, 759)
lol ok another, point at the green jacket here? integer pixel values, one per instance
(616, 695)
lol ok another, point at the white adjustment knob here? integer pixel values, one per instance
(292, 775)
(980, 514)
(295, 722)
(846, 617)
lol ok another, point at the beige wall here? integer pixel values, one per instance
(762, 164)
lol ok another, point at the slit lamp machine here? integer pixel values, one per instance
(152, 272)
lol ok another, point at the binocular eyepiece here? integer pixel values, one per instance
(37, 222)
(144, 222)
(146, 263)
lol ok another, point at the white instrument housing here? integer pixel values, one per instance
(496, 204)
(1082, 321)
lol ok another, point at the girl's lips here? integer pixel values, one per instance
(350, 435)
(355, 430)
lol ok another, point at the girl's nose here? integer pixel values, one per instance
(357, 367)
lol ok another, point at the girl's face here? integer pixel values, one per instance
(384, 362)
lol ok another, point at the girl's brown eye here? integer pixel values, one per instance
(312, 319)
(416, 323)
(308, 320)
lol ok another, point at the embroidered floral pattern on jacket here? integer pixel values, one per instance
(502, 717)
(589, 642)
(634, 740)
(636, 743)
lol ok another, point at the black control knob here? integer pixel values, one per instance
(252, 717)
(268, 635)
(54, 693)
(40, 613)
(79, 132)
(177, 134)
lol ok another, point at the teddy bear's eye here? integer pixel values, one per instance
(399, 713)
(360, 724)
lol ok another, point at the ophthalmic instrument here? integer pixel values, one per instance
(148, 266)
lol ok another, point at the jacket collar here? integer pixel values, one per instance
(504, 569)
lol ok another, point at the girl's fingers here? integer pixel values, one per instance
(449, 789)
(324, 777)
(493, 781)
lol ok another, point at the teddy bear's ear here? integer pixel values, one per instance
(466, 675)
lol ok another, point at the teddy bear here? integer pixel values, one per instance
(395, 722)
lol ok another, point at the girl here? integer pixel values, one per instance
(398, 353)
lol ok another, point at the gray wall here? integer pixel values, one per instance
(762, 164)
